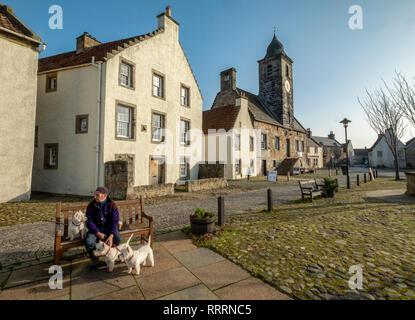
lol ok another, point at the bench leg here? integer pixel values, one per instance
(57, 257)
(57, 249)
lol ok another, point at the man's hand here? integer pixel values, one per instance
(109, 240)
(101, 236)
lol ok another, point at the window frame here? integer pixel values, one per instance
(184, 161)
(46, 156)
(265, 141)
(132, 73)
(78, 122)
(186, 133)
(277, 146)
(162, 126)
(238, 165)
(133, 117)
(251, 144)
(187, 89)
(163, 82)
(237, 143)
(49, 76)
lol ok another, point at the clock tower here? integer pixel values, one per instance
(275, 83)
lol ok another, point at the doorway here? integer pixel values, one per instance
(288, 148)
(264, 167)
(157, 170)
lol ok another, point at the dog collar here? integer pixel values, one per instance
(76, 225)
(130, 258)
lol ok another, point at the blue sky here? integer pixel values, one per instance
(332, 64)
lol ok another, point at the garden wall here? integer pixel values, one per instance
(205, 184)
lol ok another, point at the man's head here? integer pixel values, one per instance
(101, 194)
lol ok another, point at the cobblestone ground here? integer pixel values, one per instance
(35, 240)
(305, 250)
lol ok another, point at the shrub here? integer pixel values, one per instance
(202, 214)
(330, 185)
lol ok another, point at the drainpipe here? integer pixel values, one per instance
(98, 141)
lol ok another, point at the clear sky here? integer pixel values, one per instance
(332, 63)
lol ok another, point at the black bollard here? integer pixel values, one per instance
(376, 173)
(221, 211)
(348, 182)
(337, 172)
(270, 202)
(358, 180)
(364, 178)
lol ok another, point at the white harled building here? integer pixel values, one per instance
(135, 98)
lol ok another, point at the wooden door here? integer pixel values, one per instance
(154, 171)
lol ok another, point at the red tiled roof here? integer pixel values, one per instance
(9, 21)
(220, 118)
(69, 59)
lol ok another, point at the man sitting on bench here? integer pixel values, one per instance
(102, 223)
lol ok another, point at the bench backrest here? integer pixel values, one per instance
(130, 212)
(308, 184)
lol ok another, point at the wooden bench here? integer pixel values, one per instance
(131, 213)
(319, 184)
(309, 188)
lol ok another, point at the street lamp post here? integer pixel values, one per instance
(345, 123)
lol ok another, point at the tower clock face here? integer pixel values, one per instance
(287, 86)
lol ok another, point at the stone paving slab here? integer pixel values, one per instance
(35, 291)
(163, 261)
(176, 242)
(199, 292)
(250, 289)
(131, 293)
(31, 274)
(198, 258)
(220, 274)
(167, 282)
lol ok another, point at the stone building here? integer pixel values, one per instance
(333, 153)
(19, 52)
(282, 139)
(134, 99)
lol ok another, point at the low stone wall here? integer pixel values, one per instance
(150, 191)
(206, 184)
(117, 176)
(410, 183)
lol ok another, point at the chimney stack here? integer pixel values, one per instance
(10, 10)
(331, 135)
(84, 42)
(309, 133)
(228, 80)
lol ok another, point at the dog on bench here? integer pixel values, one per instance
(111, 253)
(77, 228)
(134, 258)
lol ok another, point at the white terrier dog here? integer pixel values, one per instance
(77, 228)
(143, 255)
(111, 253)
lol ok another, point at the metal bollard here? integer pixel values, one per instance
(269, 200)
(348, 182)
(364, 178)
(358, 180)
(221, 211)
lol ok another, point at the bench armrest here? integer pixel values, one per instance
(146, 216)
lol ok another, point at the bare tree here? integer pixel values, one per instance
(385, 116)
(404, 96)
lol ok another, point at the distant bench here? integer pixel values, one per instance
(138, 224)
(310, 188)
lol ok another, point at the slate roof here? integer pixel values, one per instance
(220, 118)
(326, 141)
(409, 142)
(312, 143)
(262, 113)
(10, 22)
(274, 48)
(101, 52)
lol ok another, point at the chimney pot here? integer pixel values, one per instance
(168, 11)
